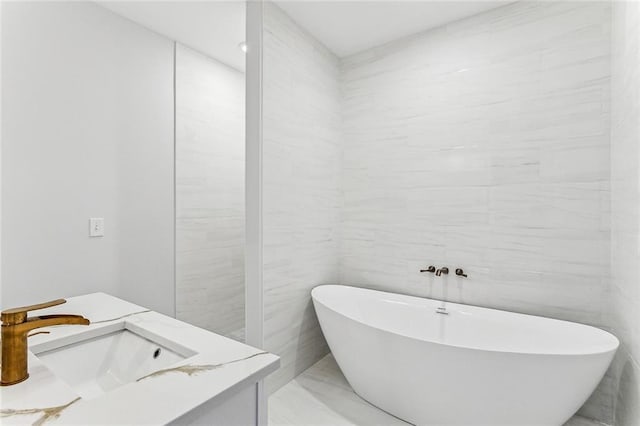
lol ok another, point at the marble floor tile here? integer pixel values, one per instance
(583, 421)
(322, 396)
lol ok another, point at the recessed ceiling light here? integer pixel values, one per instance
(243, 46)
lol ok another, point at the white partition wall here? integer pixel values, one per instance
(87, 131)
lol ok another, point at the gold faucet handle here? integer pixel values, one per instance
(19, 315)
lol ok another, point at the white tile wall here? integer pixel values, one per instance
(301, 178)
(484, 144)
(209, 193)
(625, 207)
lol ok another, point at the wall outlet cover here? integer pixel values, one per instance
(96, 227)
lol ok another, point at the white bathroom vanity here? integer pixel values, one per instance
(131, 366)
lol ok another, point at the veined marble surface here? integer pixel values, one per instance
(225, 365)
(321, 396)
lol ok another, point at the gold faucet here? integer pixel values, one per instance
(15, 329)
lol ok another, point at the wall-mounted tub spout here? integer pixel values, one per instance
(443, 270)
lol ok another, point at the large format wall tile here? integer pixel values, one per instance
(625, 207)
(301, 177)
(209, 193)
(484, 144)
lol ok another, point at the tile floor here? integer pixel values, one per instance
(321, 396)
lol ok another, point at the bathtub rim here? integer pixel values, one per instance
(608, 334)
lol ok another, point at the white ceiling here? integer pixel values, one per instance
(214, 28)
(348, 27)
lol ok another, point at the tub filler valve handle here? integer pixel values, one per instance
(460, 273)
(429, 269)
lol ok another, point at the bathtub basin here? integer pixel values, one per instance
(469, 366)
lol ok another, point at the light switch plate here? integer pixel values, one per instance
(96, 227)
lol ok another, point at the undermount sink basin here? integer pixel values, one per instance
(99, 364)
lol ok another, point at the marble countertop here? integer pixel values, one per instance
(219, 367)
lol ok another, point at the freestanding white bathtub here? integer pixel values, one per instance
(471, 366)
